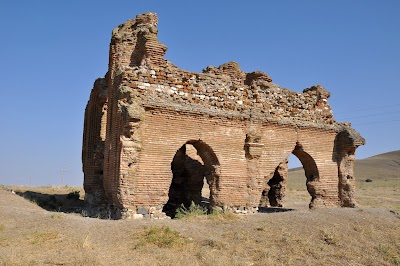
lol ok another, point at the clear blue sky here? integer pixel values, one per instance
(52, 51)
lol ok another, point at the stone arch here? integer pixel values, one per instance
(275, 190)
(188, 176)
(311, 172)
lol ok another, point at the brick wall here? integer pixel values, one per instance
(93, 142)
(163, 133)
(242, 125)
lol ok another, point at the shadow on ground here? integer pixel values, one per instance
(273, 209)
(71, 203)
(67, 203)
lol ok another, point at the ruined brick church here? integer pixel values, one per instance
(155, 135)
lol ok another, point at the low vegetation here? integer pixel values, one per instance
(194, 210)
(197, 212)
(41, 237)
(369, 235)
(162, 237)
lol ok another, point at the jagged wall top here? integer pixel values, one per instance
(135, 43)
(137, 57)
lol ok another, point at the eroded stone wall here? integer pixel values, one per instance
(242, 126)
(346, 143)
(93, 143)
(219, 94)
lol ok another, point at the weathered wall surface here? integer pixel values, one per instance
(243, 126)
(93, 142)
(252, 96)
(240, 182)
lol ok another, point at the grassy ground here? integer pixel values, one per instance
(370, 235)
(380, 193)
(30, 235)
(384, 173)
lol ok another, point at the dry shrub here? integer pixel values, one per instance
(193, 211)
(3, 239)
(222, 215)
(87, 243)
(390, 253)
(4, 242)
(329, 237)
(42, 237)
(162, 237)
(214, 244)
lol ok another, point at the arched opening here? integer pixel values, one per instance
(193, 167)
(297, 196)
(310, 170)
(276, 188)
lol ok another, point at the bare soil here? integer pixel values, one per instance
(368, 235)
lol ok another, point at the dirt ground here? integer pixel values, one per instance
(31, 235)
(44, 226)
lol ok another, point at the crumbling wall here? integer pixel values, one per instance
(222, 95)
(132, 43)
(242, 125)
(238, 187)
(93, 143)
(346, 143)
(136, 57)
(253, 148)
(313, 147)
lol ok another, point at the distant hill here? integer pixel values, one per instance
(382, 166)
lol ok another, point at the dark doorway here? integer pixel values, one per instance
(194, 168)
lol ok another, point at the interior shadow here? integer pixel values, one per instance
(67, 203)
(195, 174)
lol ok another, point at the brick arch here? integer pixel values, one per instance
(276, 189)
(311, 172)
(212, 168)
(188, 176)
(308, 162)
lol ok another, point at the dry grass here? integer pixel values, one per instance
(43, 237)
(322, 237)
(370, 235)
(384, 172)
(162, 237)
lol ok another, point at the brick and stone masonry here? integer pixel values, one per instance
(146, 116)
